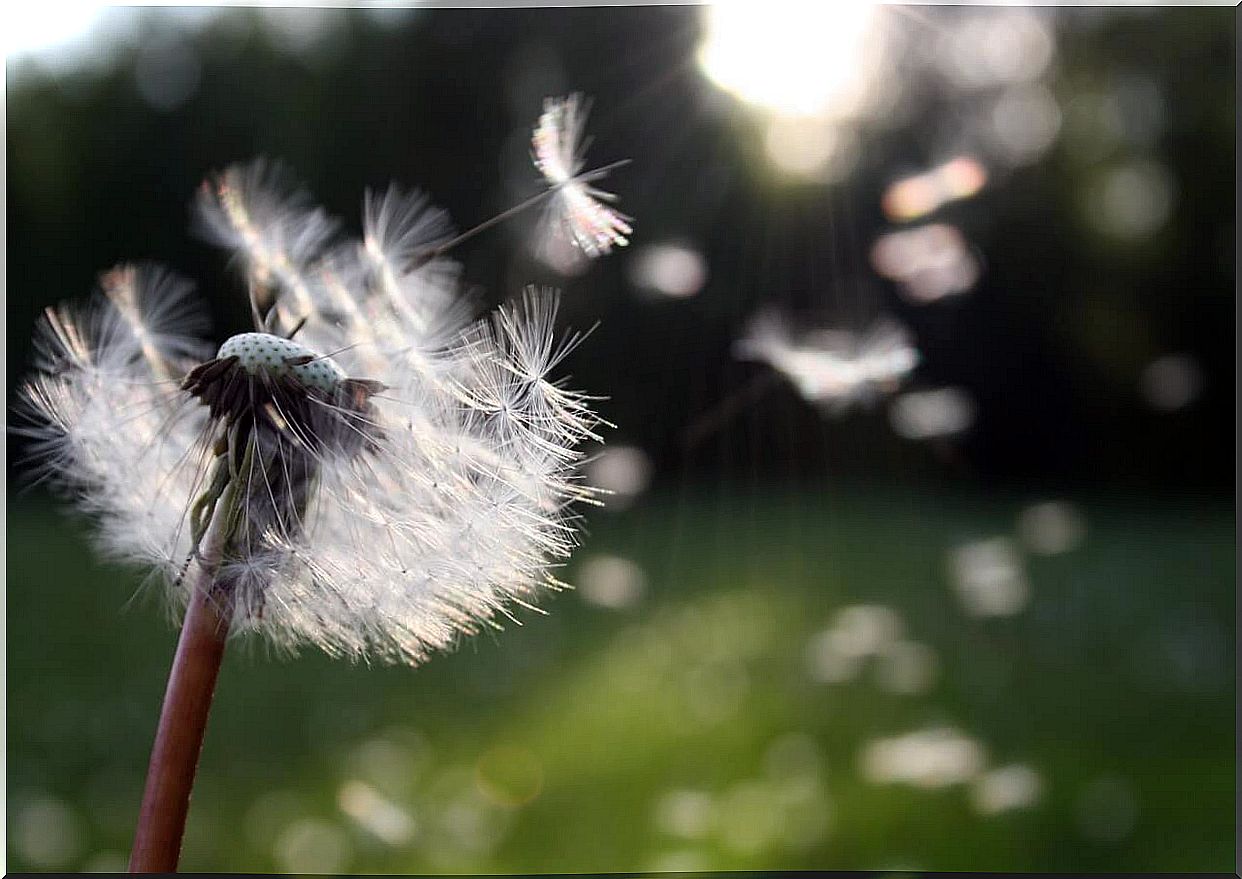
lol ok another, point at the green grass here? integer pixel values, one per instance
(551, 746)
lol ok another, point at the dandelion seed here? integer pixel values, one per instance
(833, 369)
(577, 211)
(257, 211)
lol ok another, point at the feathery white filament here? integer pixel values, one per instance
(257, 211)
(104, 419)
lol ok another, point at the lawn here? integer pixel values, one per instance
(688, 720)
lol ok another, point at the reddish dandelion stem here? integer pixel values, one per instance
(183, 721)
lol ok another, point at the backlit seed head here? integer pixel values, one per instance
(378, 526)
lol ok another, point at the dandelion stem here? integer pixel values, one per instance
(187, 701)
(179, 738)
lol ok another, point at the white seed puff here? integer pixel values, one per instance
(405, 475)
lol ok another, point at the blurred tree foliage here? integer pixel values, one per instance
(1051, 342)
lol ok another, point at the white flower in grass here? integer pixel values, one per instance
(394, 478)
(577, 212)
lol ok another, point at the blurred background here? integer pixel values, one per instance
(970, 612)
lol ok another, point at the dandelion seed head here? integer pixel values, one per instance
(401, 476)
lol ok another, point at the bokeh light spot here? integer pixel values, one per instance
(509, 775)
(46, 832)
(1133, 201)
(1171, 382)
(928, 262)
(375, 813)
(989, 578)
(928, 758)
(912, 197)
(673, 270)
(623, 471)
(312, 845)
(1107, 809)
(611, 582)
(685, 813)
(1051, 527)
(932, 414)
(1016, 786)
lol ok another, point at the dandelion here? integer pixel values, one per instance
(577, 212)
(833, 368)
(368, 472)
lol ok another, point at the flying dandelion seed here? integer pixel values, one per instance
(395, 478)
(833, 369)
(577, 212)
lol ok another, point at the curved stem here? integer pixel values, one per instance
(179, 738)
(187, 702)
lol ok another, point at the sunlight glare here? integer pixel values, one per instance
(797, 60)
(36, 29)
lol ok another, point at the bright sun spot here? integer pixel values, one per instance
(33, 28)
(791, 58)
